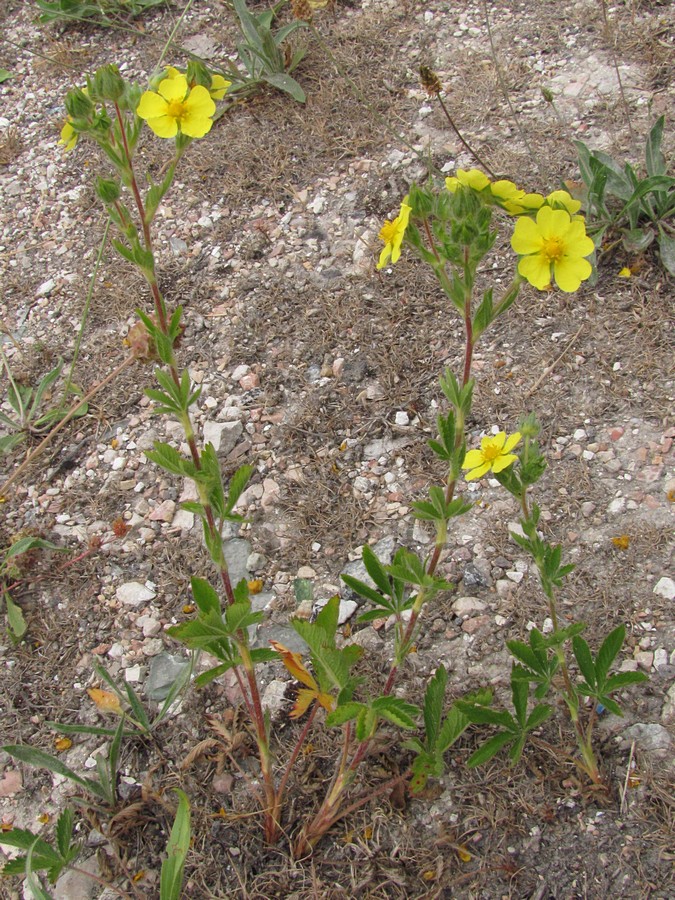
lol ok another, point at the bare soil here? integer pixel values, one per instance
(269, 239)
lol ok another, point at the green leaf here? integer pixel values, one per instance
(376, 570)
(454, 725)
(519, 691)
(15, 618)
(5, 75)
(327, 619)
(485, 715)
(168, 458)
(205, 596)
(396, 711)
(285, 82)
(236, 486)
(64, 831)
(539, 714)
(345, 713)
(584, 659)
(208, 676)
(39, 758)
(622, 680)
(667, 251)
(364, 590)
(33, 882)
(636, 240)
(434, 698)
(171, 879)
(654, 158)
(526, 655)
(607, 653)
(484, 314)
(489, 749)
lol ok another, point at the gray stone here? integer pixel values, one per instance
(476, 576)
(237, 552)
(384, 551)
(285, 635)
(165, 668)
(274, 697)
(466, 606)
(384, 446)
(223, 435)
(76, 885)
(133, 593)
(668, 712)
(648, 736)
(665, 587)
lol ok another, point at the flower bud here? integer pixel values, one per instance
(197, 73)
(108, 84)
(78, 104)
(107, 190)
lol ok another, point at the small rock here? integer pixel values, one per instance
(648, 737)
(346, 610)
(645, 659)
(77, 885)
(165, 668)
(471, 626)
(660, 658)
(11, 783)
(616, 506)
(668, 712)
(164, 512)
(222, 783)
(256, 562)
(306, 572)
(45, 288)
(516, 577)
(133, 593)
(464, 606)
(237, 552)
(223, 435)
(665, 587)
(402, 418)
(274, 697)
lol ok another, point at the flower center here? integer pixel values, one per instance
(553, 249)
(175, 109)
(491, 452)
(387, 232)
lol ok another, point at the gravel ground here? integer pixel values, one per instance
(323, 373)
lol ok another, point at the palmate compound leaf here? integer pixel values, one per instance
(396, 711)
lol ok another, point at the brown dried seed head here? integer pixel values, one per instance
(430, 81)
(302, 10)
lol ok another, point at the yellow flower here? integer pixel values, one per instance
(556, 244)
(219, 86)
(625, 272)
(392, 234)
(528, 203)
(506, 191)
(494, 454)
(563, 200)
(217, 90)
(472, 178)
(176, 106)
(68, 135)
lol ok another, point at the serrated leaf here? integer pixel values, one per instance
(347, 712)
(526, 655)
(434, 698)
(205, 596)
(236, 486)
(396, 711)
(622, 680)
(15, 618)
(327, 619)
(489, 749)
(485, 715)
(584, 659)
(539, 714)
(168, 458)
(364, 590)
(376, 570)
(33, 882)
(208, 676)
(607, 653)
(64, 831)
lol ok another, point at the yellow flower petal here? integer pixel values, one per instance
(105, 701)
(219, 86)
(472, 459)
(164, 126)
(570, 272)
(503, 462)
(473, 178)
(625, 272)
(174, 88)
(478, 473)
(511, 442)
(68, 136)
(152, 106)
(526, 238)
(536, 270)
(195, 120)
(564, 200)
